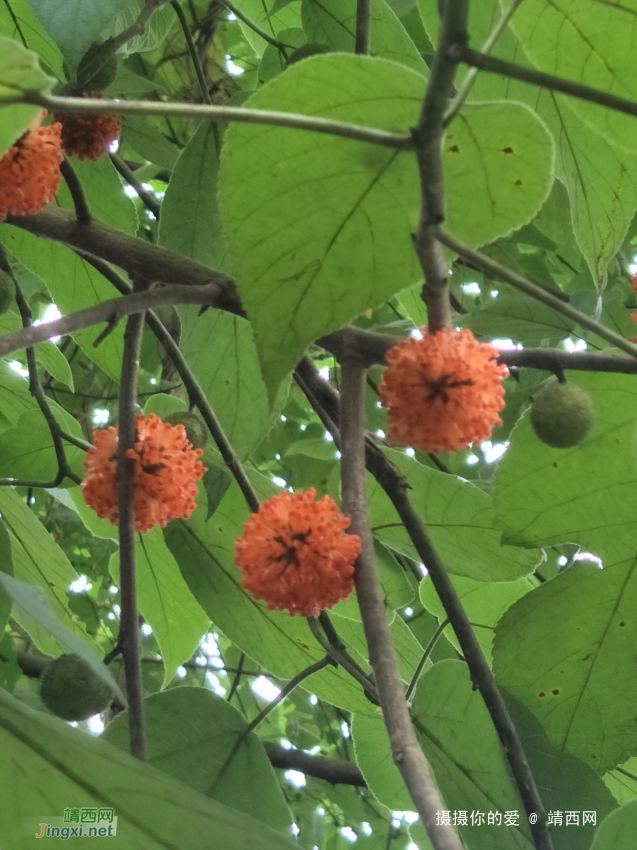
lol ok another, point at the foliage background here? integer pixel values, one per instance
(316, 232)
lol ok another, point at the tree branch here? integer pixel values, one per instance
(428, 138)
(288, 120)
(147, 198)
(128, 640)
(463, 53)
(82, 211)
(406, 751)
(192, 50)
(256, 29)
(335, 771)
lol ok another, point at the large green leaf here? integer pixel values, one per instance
(38, 560)
(459, 520)
(333, 22)
(567, 651)
(588, 42)
(197, 737)
(155, 31)
(6, 567)
(263, 14)
(27, 452)
(73, 284)
(484, 603)
(305, 268)
(15, 397)
(281, 643)
(76, 24)
(521, 318)
(19, 71)
(168, 606)
(586, 494)
(46, 767)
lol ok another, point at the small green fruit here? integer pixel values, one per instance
(103, 78)
(70, 689)
(307, 50)
(196, 432)
(7, 292)
(562, 415)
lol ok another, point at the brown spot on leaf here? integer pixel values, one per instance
(541, 694)
(555, 692)
(454, 149)
(507, 150)
(622, 623)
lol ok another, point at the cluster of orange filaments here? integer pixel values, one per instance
(88, 136)
(295, 556)
(30, 171)
(166, 468)
(443, 391)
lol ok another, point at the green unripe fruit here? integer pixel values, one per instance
(196, 432)
(70, 689)
(307, 50)
(7, 292)
(562, 415)
(103, 77)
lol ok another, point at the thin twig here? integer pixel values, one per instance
(406, 751)
(428, 137)
(128, 640)
(285, 691)
(490, 266)
(237, 678)
(107, 311)
(82, 211)
(333, 771)
(146, 197)
(256, 29)
(192, 50)
(343, 659)
(468, 82)
(411, 688)
(289, 120)
(363, 26)
(462, 53)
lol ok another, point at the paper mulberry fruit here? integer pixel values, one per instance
(562, 415)
(88, 136)
(71, 690)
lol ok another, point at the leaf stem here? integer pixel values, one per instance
(411, 688)
(363, 26)
(192, 50)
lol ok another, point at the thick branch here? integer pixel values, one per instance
(203, 112)
(428, 137)
(335, 771)
(406, 751)
(128, 640)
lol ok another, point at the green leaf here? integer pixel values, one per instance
(563, 648)
(155, 31)
(103, 190)
(623, 781)
(196, 737)
(305, 269)
(584, 495)
(6, 568)
(273, 62)
(168, 606)
(46, 766)
(190, 219)
(522, 318)
(76, 24)
(74, 285)
(26, 450)
(501, 157)
(147, 141)
(484, 603)
(19, 72)
(39, 561)
(587, 42)
(459, 520)
(617, 831)
(281, 643)
(18, 22)
(31, 601)
(333, 22)
(164, 600)
(220, 350)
